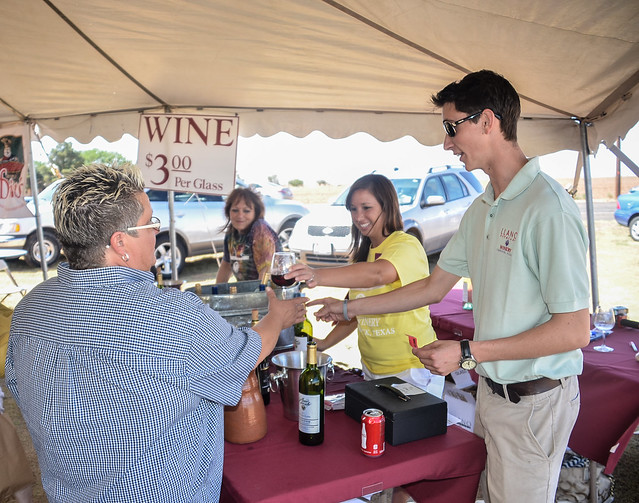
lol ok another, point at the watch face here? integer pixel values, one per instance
(468, 364)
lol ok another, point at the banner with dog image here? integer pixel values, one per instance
(14, 145)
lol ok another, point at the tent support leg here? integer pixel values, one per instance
(36, 204)
(590, 214)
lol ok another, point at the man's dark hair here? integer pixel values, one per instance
(480, 90)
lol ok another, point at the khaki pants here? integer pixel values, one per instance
(15, 472)
(525, 441)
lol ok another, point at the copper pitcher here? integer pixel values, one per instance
(246, 422)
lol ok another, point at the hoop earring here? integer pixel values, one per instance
(125, 257)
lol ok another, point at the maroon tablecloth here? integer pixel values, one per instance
(609, 385)
(609, 399)
(278, 469)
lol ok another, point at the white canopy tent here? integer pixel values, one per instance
(87, 68)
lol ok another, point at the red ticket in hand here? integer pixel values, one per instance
(412, 341)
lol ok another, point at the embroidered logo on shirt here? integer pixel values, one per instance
(509, 237)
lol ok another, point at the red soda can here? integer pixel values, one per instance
(373, 430)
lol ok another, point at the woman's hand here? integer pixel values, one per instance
(332, 309)
(302, 272)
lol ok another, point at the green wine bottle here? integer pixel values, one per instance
(303, 333)
(311, 405)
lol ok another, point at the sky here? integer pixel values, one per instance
(338, 162)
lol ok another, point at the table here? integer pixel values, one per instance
(609, 385)
(278, 469)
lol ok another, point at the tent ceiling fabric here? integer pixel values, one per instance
(88, 68)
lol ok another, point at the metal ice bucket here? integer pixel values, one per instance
(287, 378)
(236, 308)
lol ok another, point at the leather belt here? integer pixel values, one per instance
(519, 389)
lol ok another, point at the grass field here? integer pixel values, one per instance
(618, 266)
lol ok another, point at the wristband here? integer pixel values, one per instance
(345, 310)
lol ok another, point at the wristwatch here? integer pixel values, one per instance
(467, 361)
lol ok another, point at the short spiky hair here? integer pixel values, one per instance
(90, 205)
(480, 90)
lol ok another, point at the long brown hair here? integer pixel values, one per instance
(384, 191)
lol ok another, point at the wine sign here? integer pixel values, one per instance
(188, 153)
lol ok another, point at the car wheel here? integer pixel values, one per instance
(285, 231)
(163, 255)
(634, 228)
(51, 248)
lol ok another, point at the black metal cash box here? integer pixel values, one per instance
(423, 416)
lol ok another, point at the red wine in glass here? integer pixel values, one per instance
(280, 280)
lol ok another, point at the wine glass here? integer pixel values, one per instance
(280, 265)
(604, 321)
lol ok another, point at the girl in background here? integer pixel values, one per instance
(383, 258)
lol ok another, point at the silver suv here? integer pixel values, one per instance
(432, 203)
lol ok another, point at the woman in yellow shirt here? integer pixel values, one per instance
(383, 258)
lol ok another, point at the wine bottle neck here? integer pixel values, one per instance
(312, 354)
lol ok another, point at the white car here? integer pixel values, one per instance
(21, 232)
(432, 203)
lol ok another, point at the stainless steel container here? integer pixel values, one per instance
(289, 367)
(236, 308)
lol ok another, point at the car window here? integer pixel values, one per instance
(406, 189)
(157, 195)
(47, 193)
(455, 189)
(472, 179)
(433, 187)
(181, 197)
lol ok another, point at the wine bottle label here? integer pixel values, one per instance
(309, 413)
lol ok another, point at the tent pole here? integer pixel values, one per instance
(590, 214)
(36, 206)
(172, 236)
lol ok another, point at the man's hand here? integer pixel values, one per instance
(440, 357)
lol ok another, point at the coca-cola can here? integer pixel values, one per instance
(373, 430)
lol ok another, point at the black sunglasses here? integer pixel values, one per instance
(451, 127)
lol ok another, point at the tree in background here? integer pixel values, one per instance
(63, 159)
(102, 157)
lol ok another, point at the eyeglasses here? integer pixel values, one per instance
(451, 127)
(155, 225)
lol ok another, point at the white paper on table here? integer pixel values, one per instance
(462, 378)
(408, 388)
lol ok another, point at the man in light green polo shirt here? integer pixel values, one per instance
(524, 247)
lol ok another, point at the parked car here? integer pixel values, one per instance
(432, 203)
(22, 232)
(627, 213)
(268, 189)
(198, 223)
